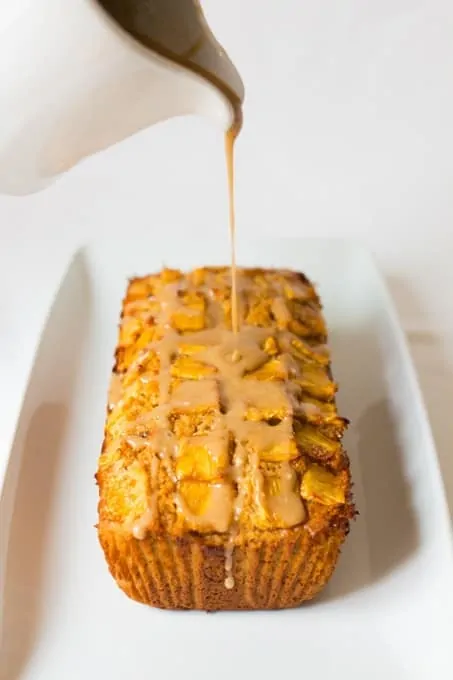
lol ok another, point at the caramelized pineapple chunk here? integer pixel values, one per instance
(270, 346)
(274, 369)
(322, 414)
(130, 329)
(308, 320)
(139, 289)
(190, 348)
(203, 458)
(194, 300)
(313, 443)
(195, 397)
(206, 507)
(322, 486)
(190, 424)
(149, 335)
(309, 439)
(304, 352)
(306, 330)
(257, 414)
(281, 452)
(141, 309)
(198, 276)
(315, 381)
(259, 313)
(299, 291)
(170, 275)
(144, 366)
(318, 411)
(195, 496)
(186, 319)
(300, 329)
(265, 401)
(191, 315)
(260, 280)
(129, 351)
(269, 442)
(190, 369)
(284, 503)
(279, 504)
(281, 313)
(127, 356)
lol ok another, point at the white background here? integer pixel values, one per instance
(348, 132)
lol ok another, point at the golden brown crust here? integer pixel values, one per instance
(170, 523)
(185, 573)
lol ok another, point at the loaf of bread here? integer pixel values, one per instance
(223, 483)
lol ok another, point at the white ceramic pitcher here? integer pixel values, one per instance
(80, 75)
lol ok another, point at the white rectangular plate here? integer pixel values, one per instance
(388, 611)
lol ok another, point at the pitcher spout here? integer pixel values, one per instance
(103, 78)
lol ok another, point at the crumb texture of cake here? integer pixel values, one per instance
(223, 481)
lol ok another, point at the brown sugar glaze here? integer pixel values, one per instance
(230, 139)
